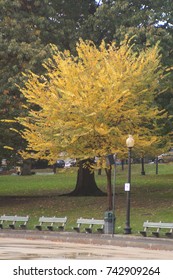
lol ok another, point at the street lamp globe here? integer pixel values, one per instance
(130, 142)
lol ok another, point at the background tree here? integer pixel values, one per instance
(150, 22)
(27, 27)
(89, 103)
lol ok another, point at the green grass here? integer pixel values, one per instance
(36, 195)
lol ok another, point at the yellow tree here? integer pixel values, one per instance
(87, 104)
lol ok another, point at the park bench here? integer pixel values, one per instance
(157, 226)
(51, 221)
(13, 221)
(91, 223)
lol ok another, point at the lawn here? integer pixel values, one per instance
(37, 195)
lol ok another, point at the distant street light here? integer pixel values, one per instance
(130, 144)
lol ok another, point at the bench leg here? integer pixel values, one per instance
(22, 226)
(100, 230)
(155, 233)
(88, 230)
(169, 234)
(77, 229)
(50, 228)
(38, 227)
(144, 233)
(12, 226)
(61, 228)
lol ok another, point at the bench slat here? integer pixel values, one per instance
(151, 224)
(14, 218)
(90, 221)
(158, 225)
(8, 218)
(52, 220)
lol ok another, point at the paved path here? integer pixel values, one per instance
(16, 248)
(50, 245)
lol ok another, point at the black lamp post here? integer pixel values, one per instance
(130, 144)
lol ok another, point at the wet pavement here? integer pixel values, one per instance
(28, 249)
(26, 244)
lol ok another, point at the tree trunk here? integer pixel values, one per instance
(157, 168)
(86, 185)
(26, 168)
(122, 164)
(142, 166)
(109, 187)
(100, 171)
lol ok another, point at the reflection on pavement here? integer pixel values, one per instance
(15, 248)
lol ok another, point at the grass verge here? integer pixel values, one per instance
(37, 195)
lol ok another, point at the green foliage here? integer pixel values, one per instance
(150, 22)
(27, 27)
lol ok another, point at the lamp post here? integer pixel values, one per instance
(130, 144)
